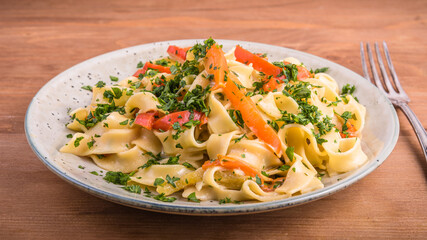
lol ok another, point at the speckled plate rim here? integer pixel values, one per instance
(232, 209)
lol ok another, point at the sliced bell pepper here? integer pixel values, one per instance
(146, 120)
(260, 64)
(216, 64)
(303, 73)
(166, 122)
(252, 117)
(231, 163)
(149, 65)
(177, 53)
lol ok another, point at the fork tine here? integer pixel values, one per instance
(383, 71)
(374, 70)
(392, 71)
(364, 67)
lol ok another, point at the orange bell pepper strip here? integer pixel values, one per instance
(272, 81)
(146, 120)
(149, 65)
(258, 63)
(303, 73)
(166, 122)
(251, 116)
(216, 64)
(351, 130)
(231, 163)
(177, 53)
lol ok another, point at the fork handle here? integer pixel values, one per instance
(416, 124)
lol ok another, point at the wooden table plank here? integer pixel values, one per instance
(40, 39)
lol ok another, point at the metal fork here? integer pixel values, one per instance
(399, 97)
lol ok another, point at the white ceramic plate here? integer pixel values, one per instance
(47, 115)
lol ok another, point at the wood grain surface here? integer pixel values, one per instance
(40, 39)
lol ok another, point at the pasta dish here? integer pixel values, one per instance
(210, 125)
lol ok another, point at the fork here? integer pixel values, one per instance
(399, 98)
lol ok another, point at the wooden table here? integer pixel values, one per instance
(40, 39)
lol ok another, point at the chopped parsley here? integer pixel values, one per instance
(114, 93)
(188, 165)
(114, 79)
(158, 182)
(258, 180)
(163, 198)
(100, 84)
(173, 160)
(284, 167)
(140, 65)
(273, 124)
(154, 160)
(100, 113)
(228, 200)
(133, 189)
(118, 178)
(290, 153)
(77, 141)
(348, 90)
(172, 180)
(125, 122)
(192, 197)
(89, 88)
(147, 192)
(319, 70)
(300, 92)
(199, 50)
(240, 138)
(237, 118)
(90, 144)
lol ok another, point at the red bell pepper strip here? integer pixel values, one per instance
(146, 120)
(177, 53)
(165, 123)
(149, 65)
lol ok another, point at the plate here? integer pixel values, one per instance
(47, 115)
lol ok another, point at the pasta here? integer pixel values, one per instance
(210, 125)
